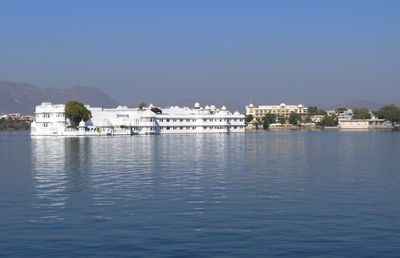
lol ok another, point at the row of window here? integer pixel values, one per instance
(194, 127)
(53, 124)
(177, 120)
(194, 120)
(48, 115)
(277, 111)
(147, 119)
(178, 128)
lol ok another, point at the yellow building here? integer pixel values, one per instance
(281, 110)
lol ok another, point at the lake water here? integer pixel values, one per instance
(258, 194)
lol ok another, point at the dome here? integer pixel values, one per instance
(282, 105)
(223, 108)
(251, 105)
(82, 123)
(207, 108)
(151, 106)
(300, 106)
(197, 105)
(212, 107)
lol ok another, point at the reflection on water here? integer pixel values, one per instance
(49, 175)
(291, 194)
(109, 169)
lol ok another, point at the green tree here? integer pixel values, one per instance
(361, 113)
(329, 121)
(257, 123)
(282, 120)
(248, 118)
(390, 113)
(14, 124)
(268, 119)
(76, 112)
(294, 118)
(142, 105)
(314, 110)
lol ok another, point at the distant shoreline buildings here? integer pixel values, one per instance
(285, 116)
(346, 121)
(50, 119)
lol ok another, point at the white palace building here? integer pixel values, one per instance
(50, 120)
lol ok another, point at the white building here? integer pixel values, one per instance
(50, 120)
(197, 119)
(346, 121)
(345, 116)
(373, 123)
(281, 110)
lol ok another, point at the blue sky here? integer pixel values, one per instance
(223, 52)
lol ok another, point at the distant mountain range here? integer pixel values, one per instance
(359, 103)
(23, 97)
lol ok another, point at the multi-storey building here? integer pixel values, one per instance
(281, 110)
(51, 120)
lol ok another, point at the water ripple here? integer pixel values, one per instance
(293, 194)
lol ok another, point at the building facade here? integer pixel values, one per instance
(281, 110)
(346, 121)
(50, 120)
(373, 123)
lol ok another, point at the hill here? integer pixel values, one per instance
(23, 97)
(358, 103)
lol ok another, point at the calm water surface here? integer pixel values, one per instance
(288, 194)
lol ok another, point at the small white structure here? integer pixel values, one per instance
(346, 121)
(373, 123)
(345, 116)
(50, 120)
(317, 118)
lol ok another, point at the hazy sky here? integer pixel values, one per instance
(309, 52)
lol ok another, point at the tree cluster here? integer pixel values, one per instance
(14, 124)
(314, 110)
(75, 111)
(248, 119)
(390, 113)
(294, 118)
(361, 113)
(268, 119)
(329, 121)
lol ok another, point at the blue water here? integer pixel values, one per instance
(287, 194)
